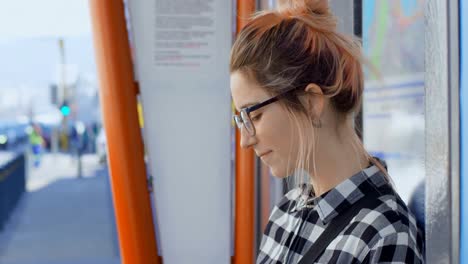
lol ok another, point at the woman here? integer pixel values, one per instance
(297, 83)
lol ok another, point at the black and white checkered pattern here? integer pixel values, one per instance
(385, 234)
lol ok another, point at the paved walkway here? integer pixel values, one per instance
(62, 219)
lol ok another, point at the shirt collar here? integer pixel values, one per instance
(345, 194)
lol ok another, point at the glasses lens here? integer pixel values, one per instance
(238, 121)
(247, 123)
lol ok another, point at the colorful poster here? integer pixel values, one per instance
(393, 109)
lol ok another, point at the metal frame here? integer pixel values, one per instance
(454, 54)
(442, 132)
(349, 15)
(357, 31)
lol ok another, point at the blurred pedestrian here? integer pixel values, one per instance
(37, 142)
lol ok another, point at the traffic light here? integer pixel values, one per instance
(65, 109)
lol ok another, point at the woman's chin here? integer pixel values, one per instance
(278, 173)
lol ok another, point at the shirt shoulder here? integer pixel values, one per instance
(391, 215)
(389, 226)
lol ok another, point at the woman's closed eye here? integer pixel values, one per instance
(256, 117)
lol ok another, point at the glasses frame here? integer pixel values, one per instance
(243, 118)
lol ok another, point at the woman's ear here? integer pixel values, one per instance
(314, 101)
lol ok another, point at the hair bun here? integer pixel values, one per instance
(299, 7)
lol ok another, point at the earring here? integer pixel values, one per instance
(317, 123)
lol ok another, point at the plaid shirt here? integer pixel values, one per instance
(387, 233)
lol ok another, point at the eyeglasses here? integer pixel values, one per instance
(243, 119)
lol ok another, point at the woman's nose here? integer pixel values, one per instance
(246, 139)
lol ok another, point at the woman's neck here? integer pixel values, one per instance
(337, 159)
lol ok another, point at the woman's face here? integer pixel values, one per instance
(274, 142)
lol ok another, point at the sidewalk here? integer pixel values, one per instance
(59, 166)
(62, 219)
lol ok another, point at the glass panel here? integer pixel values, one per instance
(464, 131)
(393, 114)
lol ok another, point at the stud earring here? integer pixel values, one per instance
(317, 123)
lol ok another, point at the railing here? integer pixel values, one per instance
(12, 185)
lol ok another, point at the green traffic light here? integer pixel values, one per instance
(65, 110)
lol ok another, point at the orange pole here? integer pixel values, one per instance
(265, 179)
(125, 146)
(245, 181)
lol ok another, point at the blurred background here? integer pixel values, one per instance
(51, 135)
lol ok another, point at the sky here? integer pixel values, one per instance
(32, 18)
(29, 50)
